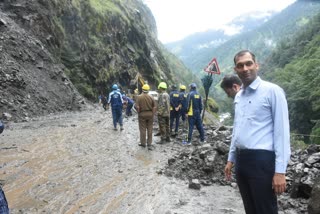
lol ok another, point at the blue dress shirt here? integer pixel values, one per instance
(262, 122)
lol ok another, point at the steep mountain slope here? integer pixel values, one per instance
(32, 82)
(295, 65)
(197, 43)
(93, 43)
(262, 40)
(265, 38)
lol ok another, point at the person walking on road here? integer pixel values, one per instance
(175, 105)
(146, 108)
(194, 109)
(103, 101)
(164, 113)
(116, 102)
(260, 146)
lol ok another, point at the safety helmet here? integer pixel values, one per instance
(183, 87)
(174, 87)
(124, 97)
(115, 87)
(162, 85)
(145, 87)
(193, 85)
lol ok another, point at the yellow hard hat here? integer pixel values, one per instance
(146, 87)
(162, 85)
(183, 87)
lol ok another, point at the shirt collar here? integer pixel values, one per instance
(254, 85)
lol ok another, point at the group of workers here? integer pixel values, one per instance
(170, 107)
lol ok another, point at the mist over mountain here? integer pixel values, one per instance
(196, 43)
(260, 34)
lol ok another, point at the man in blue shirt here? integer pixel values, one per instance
(116, 102)
(260, 146)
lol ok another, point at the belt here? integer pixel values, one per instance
(252, 151)
(145, 110)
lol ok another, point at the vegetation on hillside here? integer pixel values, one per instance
(102, 42)
(295, 66)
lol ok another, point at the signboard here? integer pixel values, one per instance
(212, 67)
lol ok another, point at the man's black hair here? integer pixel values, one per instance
(243, 52)
(229, 80)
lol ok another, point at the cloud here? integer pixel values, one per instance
(231, 30)
(177, 19)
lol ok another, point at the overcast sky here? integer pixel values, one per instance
(177, 19)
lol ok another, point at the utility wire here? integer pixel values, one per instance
(306, 135)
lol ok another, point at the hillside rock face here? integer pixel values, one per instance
(32, 83)
(50, 50)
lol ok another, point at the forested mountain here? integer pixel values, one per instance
(197, 43)
(295, 66)
(262, 39)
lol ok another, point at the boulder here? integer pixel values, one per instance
(314, 203)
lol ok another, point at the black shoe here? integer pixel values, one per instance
(168, 139)
(158, 134)
(143, 145)
(150, 147)
(160, 142)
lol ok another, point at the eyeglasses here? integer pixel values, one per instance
(241, 65)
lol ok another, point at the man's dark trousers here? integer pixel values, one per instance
(254, 173)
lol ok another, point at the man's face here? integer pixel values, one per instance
(246, 69)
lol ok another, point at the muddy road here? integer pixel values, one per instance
(76, 163)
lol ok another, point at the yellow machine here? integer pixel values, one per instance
(137, 82)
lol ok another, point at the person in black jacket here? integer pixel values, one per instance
(175, 105)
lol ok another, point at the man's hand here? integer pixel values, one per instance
(227, 170)
(279, 183)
